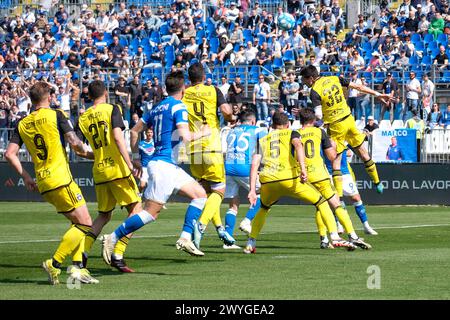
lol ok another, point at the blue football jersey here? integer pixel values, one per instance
(344, 163)
(146, 150)
(164, 119)
(241, 144)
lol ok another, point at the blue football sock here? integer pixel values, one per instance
(251, 213)
(133, 223)
(230, 221)
(193, 212)
(360, 211)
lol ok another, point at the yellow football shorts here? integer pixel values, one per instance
(325, 188)
(271, 192)
(122, 191)
(66, 198)
(208, 166)
(345, 131)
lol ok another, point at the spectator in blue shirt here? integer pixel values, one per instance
(394, 152)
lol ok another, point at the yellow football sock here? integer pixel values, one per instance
(216, 219)
(321, 227)
(327, 216)
(70, 241)
(344, 219)
(258, 222)
(89, 241)
(212, 206)
(77, 255)
(371, 170)
(120, 247)
(337, 181)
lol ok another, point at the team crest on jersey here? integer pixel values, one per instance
(79, 196)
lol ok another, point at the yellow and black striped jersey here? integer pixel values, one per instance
(314, 140)
(203, 104)
(97, 125)
(278, 161)
(43, 131)
(328, 93)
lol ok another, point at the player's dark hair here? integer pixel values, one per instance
(307, 115)
(247, 116)
(96, 89)
(279, 119)
(174, 82)
(196, 73)
(309, 71)
(39, 92)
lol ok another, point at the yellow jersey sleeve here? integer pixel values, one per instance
(97, 125)
(328, 93)
(43, 131)
(203, 104)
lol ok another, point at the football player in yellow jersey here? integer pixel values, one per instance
(314, 141)
(43, 131)
(206, 160)
(329, 102)
(102, 125)
(284, 173)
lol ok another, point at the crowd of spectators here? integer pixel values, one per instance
(131, 48)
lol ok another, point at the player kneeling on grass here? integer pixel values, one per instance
(102, 125)
(284, 173)
(169, 120)
(350, 190)
(315, 141)
(241, 144)
(44, 131)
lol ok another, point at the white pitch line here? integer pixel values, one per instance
(174, 235)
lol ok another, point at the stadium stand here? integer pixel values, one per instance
(72, 43)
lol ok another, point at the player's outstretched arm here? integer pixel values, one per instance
(11, 155)
(256, 161)
(78, 146)
(188, 136)
(384, 97)
(227, 112)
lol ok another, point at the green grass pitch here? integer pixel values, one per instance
(411, 251)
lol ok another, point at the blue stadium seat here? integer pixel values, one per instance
(164, 29)
(253, 75)
(248, 35)
(155, 37)
(123, 42)
(415, 37)
(427, 61)
(413, 60)
(445, 77)
(379, 77)
(419, 46)
(428, 38)
(442, 39)
(135, 43)
(289, 56)
(278, 64)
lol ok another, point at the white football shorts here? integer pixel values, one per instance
(349, 185)
(234, 182)
(165, 179)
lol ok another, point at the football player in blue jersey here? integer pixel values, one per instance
(146, 149)
(350, 190)
(241, 144)
(169, 120)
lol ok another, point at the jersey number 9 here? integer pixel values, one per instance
(40, 145)
(199, 110)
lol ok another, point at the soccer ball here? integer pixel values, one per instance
(286, 21)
